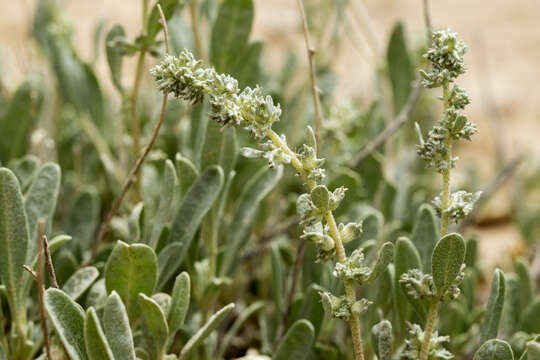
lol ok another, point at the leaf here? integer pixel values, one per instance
(245, 213)
(512, 309)
(385, 256)
(97, 347)
(320, 196)
(114, 56)
(230, 33)
(116, 328)
(83, 217)
(167, 200)
(198, 200)
(526, 282)
(247, 68)
(135, 224)
(529, 318)
(204, 331)
(533, 350)
(67, 318)
(156, 328)
(187, 172)
(240, 320)
(494, 350)
(492, 316)
(400, 68)
(277, 278)
(406, 257)
(297, 342)
(446, 260)
(25, 169)
(130, 270)
(19, 118)
(79, 282)
(153, 26)
(13, 238)
(425, 233)
(180, 302)
(382, 340)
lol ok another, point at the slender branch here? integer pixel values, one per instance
(311, 59)
(135, 170)
(506, 173)
(30, 271)
(134, 120)
(48, 260)
(40, 278)
(391, 128)
(446, 190)
(430, 324)
(163, 22)
(194, 14)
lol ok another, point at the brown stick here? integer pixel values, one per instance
(48, 260)
(311, 60)
(131, 177)
(41, 286)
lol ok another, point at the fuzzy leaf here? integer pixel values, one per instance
(425, 233)
(230, 33)
(169, 191)
(297, 342)
(25, 170)
(446, 261)
(198, 200)
(382, 340)
(116, 328)
(83, 218)
(526, 282)
(533, 350)
(385, 256)
(67, 318)
(529, 318)
(245, 213)
(240, 320)
(180, 302)
(320, 196)
(156, 329)
(130, 270)
(400, 67)
(40, 202)
(13, 237)
(114, 57)
(186, 171)
(79, 282)
(97, 346)
(204, 331)
(492, 316)
(494, 350)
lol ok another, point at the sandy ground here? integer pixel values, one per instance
(503, 36)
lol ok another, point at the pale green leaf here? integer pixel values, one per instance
(446, 261)
(297, 342)
(97, 346)
(80, 281)
(492, 317)
(494, 350)
(116, 328)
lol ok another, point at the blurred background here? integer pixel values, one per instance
(504, 51)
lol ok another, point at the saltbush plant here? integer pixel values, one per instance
(121, 241)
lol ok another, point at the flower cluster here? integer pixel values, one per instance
(446, 57)
(461, 204)
(354, 268)
(413, 344)
(340, 307)
(188, 79)
(421, 286)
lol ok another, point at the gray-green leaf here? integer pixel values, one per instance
(97, 347)
(67, 318)
(382, 340)
(425, 233)
(492, 316)
(180, 302)
(80, 281)
(156, 329)
(297, 342)
(494, 350)
(116, 328)
(385, 256)
(130, 270)
(446, 261)
(204, 331)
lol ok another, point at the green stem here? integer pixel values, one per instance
(445, 216)
(354, 321)
(432, 316)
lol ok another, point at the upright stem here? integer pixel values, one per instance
(445, 217)
(432, 316)
(354, 322)
(134, 120)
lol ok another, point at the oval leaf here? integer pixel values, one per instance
(297, 342)
(68, 319)
(156, 330)
(385, 256)
(382, 340)
(425, 233)
(116, 328)
(180, 302)
(448, 255)
(79, 282)
(492, 316)
(494, 350)
(130, 270)
(97, 347)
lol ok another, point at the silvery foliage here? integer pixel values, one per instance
(421, 286)
(461, 204)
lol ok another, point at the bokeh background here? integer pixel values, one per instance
(503, 77)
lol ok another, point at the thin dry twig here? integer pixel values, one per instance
(391, 128)
(42, 240)
(135, 170)
(504, 175)
(313, 78)
(30, 271)
(48, 260)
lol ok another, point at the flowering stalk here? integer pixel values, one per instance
(446, 57)
(187, 79)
